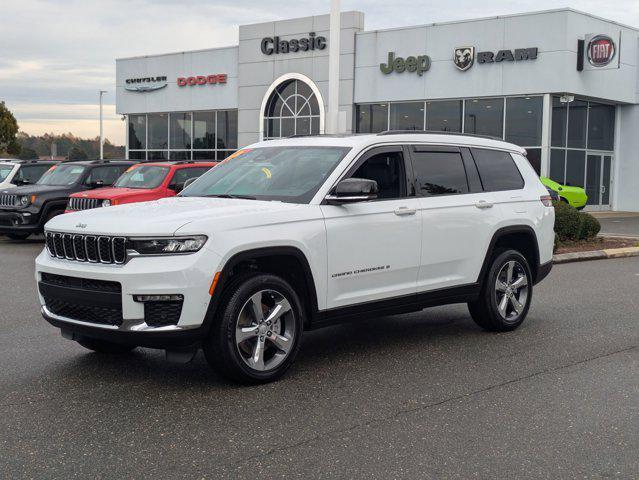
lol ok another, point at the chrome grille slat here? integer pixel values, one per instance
(8, 200)
(87, 248)
(83, 203)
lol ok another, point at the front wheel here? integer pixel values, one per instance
(256, 334)
(506, 293)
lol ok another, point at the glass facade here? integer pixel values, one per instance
(514, 119)
(206, 135)
(582, 142)
(292, 109)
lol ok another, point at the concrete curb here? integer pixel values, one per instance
(596, 255)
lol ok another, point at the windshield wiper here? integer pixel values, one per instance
(228, 195)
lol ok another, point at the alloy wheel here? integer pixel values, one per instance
(265, 330)
(511, 290)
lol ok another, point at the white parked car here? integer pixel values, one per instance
(14, 173)
(294, 234)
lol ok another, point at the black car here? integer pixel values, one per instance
(24, 210)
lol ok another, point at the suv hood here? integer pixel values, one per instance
(165, 216)
(36, 189)
(110, 193)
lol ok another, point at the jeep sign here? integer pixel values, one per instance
(419, 64)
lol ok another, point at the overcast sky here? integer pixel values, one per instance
(56, 54)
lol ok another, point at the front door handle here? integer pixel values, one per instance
(405, 211)
(483, 204)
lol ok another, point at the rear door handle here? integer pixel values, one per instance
(483, 204)
(405, 211)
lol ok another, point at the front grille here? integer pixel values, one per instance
(86, 313)
(8, 200)
(159, 314)
(83, 283)
(82, 248)
(82, 203)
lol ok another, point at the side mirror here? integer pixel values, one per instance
(21, 181)
(177, 187)
(352, 190)
(97, 184)
(188, 182)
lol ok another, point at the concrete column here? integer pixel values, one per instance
(546, 126)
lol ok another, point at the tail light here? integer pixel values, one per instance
(546, 200)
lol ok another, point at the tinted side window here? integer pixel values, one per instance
(387, 169)
(31, 173)
(497, 170)
(183, 174)
(107, 174)
(440, 173)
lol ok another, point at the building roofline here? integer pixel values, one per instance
(496, 17)
(153, 55)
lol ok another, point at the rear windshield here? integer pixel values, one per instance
(146, 176)
(62, 175)
(286, 174)
(5, 170)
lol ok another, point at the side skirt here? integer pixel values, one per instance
(396, 305)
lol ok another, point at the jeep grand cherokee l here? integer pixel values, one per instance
(24, 210)
(141, 183)
(294, 234)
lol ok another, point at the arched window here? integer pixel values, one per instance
(292, 109)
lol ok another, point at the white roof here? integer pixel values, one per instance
(364, 140)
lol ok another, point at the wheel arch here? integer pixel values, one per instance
(519, 237)
(286, 261)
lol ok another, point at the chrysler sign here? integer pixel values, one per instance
(145, 84)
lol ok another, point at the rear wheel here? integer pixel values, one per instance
(102, 346)
(505, 294)
(257, 331)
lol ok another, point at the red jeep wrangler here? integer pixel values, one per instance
(141, 183)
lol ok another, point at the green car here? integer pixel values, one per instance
(575, 196)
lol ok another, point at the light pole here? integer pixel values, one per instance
(102, 92)
(333, 68)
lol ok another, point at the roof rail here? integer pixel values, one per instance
(436, 132)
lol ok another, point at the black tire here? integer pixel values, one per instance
(18, 236)
(103, 346)
(220, 348)
(485, 310)
(50, 215)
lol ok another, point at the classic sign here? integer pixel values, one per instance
(145, 84)
(601, 50)
(271, 45)
(419, 64)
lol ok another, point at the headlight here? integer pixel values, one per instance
(25, 201)
(163, 246)
(106, 203)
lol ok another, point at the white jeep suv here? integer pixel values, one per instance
(295, 234)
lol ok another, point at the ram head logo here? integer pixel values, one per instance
(464, 57)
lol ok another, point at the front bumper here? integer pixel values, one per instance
(16, 221)
(186, 275)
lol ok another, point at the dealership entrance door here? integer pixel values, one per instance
(598, 180)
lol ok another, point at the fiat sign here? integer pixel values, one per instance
(601, 50)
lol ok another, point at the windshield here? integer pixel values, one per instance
(146, 176)
(287, 174)
(62, 175)
(5, 170)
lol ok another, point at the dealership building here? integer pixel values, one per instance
(561, 83)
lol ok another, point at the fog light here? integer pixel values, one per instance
(158, 298)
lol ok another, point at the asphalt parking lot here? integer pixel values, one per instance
(425, 395)
(620, 225)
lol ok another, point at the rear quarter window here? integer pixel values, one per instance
(497, 170)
